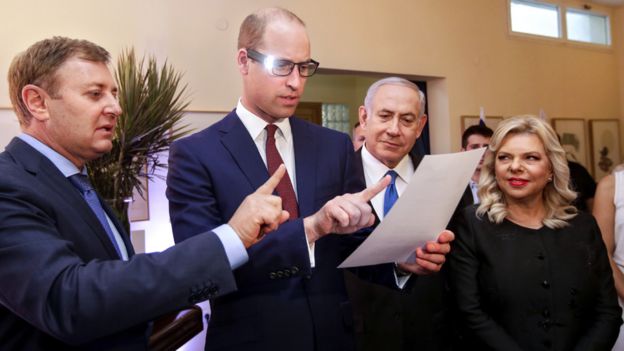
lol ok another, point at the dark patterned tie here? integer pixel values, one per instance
(391, 194)
(81, 182)
(284, 188)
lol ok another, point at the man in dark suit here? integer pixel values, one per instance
(69, 278)
(291, 296)
(414, 317)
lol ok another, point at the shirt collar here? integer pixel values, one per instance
(255, 125)
(375, 169)
(63, 164)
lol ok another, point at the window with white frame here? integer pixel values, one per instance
(336, 116)
(543, 18)
(587, 27)
(537, 18)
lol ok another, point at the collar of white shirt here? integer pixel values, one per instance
(374, 170)
(255, 125)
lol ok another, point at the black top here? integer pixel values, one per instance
(523, 289)
(583, 183)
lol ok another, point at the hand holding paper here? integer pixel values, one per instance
(421, 213)
(431, 257)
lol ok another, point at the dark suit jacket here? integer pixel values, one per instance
(534, 289)
(281, 303)
(415, 318)
(62, 285)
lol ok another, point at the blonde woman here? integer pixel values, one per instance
(609, 213)
(529, 272)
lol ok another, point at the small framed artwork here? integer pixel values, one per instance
(490, 121)
(138, 209)
(573, 138)
(605, 146)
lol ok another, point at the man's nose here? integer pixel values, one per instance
(113, 107)
(294, 79)
(393, 127)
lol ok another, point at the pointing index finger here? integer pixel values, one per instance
(268, 187)
(374, 189)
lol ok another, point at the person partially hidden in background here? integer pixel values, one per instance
(528, 271)
(69, 278)
(414, 317)
(475, 137)
(584, 184)
(357, 136)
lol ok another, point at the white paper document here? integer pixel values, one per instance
(421, 212)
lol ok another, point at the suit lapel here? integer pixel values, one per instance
(306, 163)
(236, 139)
(52, 178)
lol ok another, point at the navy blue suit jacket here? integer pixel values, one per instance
(282, 303)
(62, 284)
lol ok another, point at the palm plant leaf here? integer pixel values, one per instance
(153, 102)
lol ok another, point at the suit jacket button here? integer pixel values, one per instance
(546, 313)
(545, 284)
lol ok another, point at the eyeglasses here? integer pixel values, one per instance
(282, 67)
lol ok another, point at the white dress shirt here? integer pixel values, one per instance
(474, 189)
(284, 144)
(374, 171)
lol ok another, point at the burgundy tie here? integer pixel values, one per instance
(284, 188)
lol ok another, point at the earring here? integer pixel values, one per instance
(550, 179)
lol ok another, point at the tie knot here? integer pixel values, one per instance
(271, 128)
(392, 174)
(81, 182)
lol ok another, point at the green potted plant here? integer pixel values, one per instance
(153, 103)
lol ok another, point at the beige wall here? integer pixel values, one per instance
(462, 47)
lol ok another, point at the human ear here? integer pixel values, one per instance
(243, 61)
(422, 120)
(34, 99)
(362, 116)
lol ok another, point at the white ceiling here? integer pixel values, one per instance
(615, 3)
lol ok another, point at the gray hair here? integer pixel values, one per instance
(372, 90)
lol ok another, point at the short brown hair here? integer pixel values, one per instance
(476, 129)
(39, 63)
(252, 29)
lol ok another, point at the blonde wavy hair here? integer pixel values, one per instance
(557, 195)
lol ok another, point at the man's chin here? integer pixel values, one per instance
(102, 149)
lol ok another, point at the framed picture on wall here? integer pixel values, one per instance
(138, 209)
(605, 146)
(573, 138)
(490, 121)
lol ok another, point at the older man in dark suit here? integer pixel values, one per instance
(69, 278)
(415, 317)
